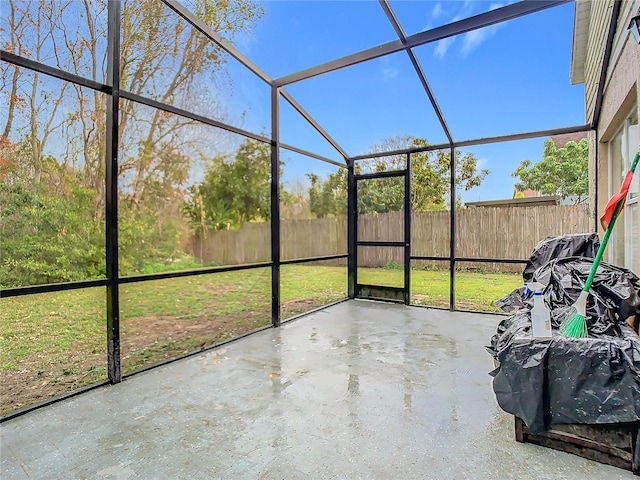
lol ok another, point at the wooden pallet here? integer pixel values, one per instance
(612, 444)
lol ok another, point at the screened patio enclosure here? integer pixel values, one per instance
(120, 113)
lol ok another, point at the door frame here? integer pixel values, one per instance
(379, 292)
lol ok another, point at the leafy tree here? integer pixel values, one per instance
(48, 231)
(380, 195)
(430, 177)
(328, 197)
(171, 62)
(204, 213)
(145, 239)
(52, 133)
(562, 171)
(36, 248)
(161, 57)
(429, 181)
(234, 191)
(294, 200)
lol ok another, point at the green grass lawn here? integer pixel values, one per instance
(474, 290)
(55, 342)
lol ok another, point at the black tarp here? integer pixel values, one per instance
(575, 245)
(565, 380)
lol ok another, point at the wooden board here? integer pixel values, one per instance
(612, 444)
(377, 292)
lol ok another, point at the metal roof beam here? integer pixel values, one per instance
(478, 141)
(291, 148)
(208, 32)
(486, 19)
(416, 65)
(287, 96)
(19, 61)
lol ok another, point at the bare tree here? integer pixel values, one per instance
(162, 57)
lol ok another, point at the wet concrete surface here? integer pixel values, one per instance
(360, 390)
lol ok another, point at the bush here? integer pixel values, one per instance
(184, 263)
(393, 266)
(48, 238)
(143, 241)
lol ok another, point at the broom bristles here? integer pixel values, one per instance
(575, 326)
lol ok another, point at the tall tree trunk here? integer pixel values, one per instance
(13, 39)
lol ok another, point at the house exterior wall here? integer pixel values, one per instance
(599, 21)
(621, 92)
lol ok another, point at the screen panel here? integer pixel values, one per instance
(51, 344)
(479, 285)
(52, 192)
(310, 285)
(161, 319)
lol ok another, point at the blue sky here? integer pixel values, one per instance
(507, 78)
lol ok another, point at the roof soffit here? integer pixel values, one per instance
(580, 36)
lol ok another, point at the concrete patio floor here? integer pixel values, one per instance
(358, 390)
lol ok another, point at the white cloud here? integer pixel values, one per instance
(442, 47)
(436, 12)
(475, 38)
(471, 40)
(389, 74)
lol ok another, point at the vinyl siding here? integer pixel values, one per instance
(600, 17)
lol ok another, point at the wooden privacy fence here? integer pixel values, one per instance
(252, 243)
(481, 232)
(484, 232)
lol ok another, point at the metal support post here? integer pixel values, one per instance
(352, 226)
(275, 206)
(111, 193)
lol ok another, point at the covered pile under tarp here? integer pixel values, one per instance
(567, 380)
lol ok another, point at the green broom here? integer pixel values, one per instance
(575, 326)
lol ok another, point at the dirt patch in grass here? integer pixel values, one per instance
(144, 341)
(38, 377)
(150, 339)
(298, 306)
